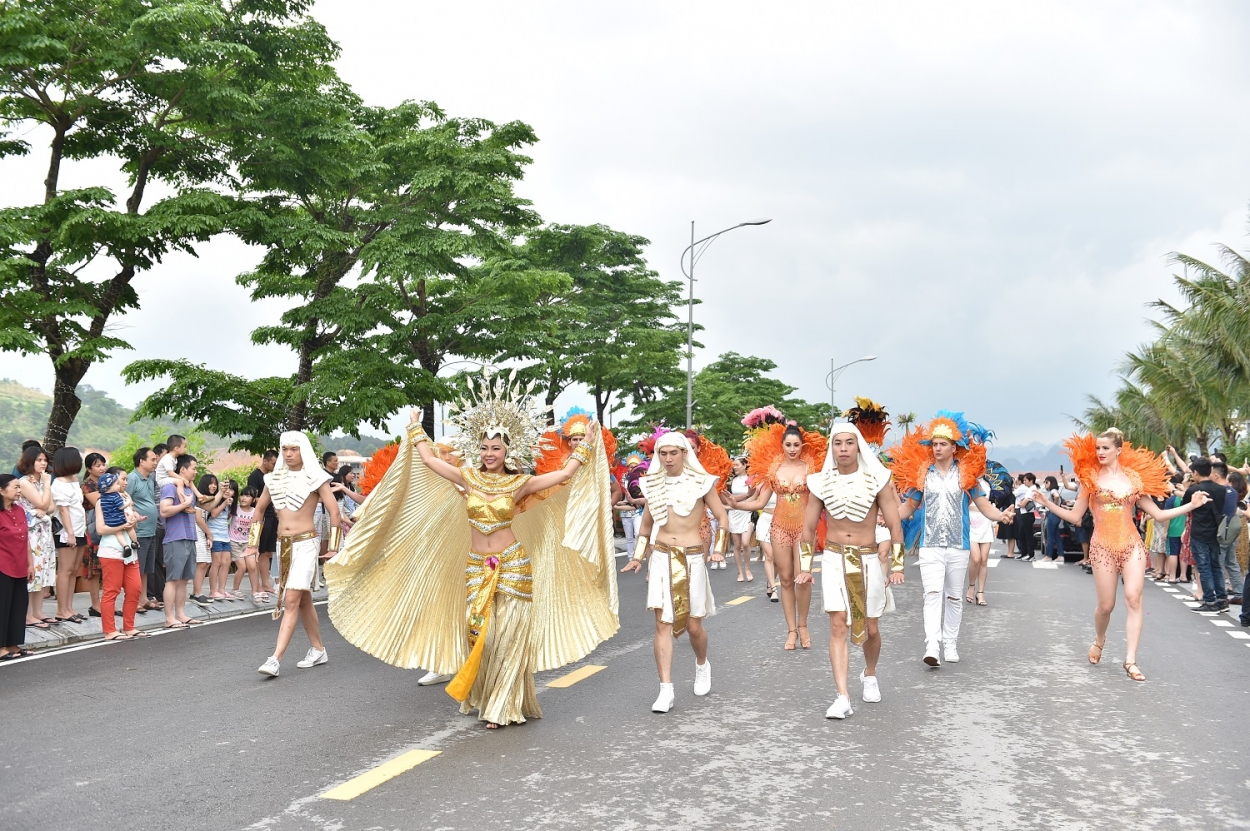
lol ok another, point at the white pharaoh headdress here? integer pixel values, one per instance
(849, 496)
(496, 407)
(289, 488)
(678, 493)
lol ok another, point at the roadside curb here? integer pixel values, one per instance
(71, 634)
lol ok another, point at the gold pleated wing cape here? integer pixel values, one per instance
(397, 588)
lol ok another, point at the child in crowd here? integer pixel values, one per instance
(240, 527)
(176, 446)
(217, 516)
(118, 510)
(203, 536)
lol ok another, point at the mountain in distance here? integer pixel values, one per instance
(104, 425)
(1035, 457)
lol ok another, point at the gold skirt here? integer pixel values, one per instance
(503, 692)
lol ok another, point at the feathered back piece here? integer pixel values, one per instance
(715, 460)
(764, 453)
(871, 419)
(498, 407)
(377, 466)
(556, 449)
(911, 459)
(1145, 469)
(762, 417)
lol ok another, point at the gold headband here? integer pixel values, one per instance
(943, 431)
(578, 429)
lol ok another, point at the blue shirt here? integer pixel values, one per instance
(180, 526)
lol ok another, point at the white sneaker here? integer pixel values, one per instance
(314, 657)
(841, 708)
(931, 654)
(431, 678)
(270, 667)
(664, 702)
(872, 690)
(703, 677)
(949, 653)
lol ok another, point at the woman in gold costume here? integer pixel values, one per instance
(1115, 477)
(538, 589)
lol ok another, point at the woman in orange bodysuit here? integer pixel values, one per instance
(1114, 478)
(783, 456)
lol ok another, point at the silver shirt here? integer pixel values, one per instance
(943, 509)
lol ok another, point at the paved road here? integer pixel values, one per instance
(180, 730)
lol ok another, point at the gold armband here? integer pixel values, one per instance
(640, 549)
(416, 433)
(721, 545)
(806, 552)
(334, 538)
(253, 533)
(582, 453)
(897, 552)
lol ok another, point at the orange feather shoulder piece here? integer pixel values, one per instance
(715, 460)
(610, 445)
(377, 466)
(764, 454)
(910, 461)
(554, 453)
(971, 465)
(1145, 467)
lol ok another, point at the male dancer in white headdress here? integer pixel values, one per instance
(852, 488)
(296, 478)
(678, 491)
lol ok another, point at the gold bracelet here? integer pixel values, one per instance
(640, 549)
(722, 541)
(253, 533)
(334, 538)
(582, 453)
(806, 552)
(897, 552)
(416, 433)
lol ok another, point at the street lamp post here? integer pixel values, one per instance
(832, 379)
(695, 254)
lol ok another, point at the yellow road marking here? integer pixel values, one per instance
(576, 675)
(816, 571)
(739, 600)
(386, 771)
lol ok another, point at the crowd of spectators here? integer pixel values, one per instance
(155, 532)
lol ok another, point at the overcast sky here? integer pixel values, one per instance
(983, 195)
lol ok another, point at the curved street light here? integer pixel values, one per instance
(832, 378)
(695, 253)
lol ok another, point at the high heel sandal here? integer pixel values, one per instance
(968, 597)
(1093, 659)
(1133, 671)
(789, 647)
(805, 640)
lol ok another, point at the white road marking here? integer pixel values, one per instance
(1241, 636)
(1225, 623)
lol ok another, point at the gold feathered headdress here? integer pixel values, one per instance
(500, 408)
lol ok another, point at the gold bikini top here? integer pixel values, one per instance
(489, 502)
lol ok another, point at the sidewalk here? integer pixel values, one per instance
(67, 634)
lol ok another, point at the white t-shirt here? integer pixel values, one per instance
(1023, 494)
(165, 470)
(69, 495)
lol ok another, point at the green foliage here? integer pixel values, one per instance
(197, 446)
(158, 88)
(238, 473)
(724, 392)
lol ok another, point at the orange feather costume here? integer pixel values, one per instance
(764, 458)
(1115, 543)
(557, 449)
(911, 459)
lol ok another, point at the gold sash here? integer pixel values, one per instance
(679, 582)
(285, 545)
(853, 577)
(509, 572)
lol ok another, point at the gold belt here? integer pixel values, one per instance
(856, 585)
(285, 546)
(679, 582)
(511, 572)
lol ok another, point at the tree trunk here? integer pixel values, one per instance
(65, 404)
(1204, 445)
(552, 394)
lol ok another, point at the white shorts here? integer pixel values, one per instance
(303, 570)
(702, 604)
(833, 586)
(883, 534)
(980, 529)
(739, 522)
(763, 528)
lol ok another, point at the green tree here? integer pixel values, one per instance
(158, 86)
(724, 392)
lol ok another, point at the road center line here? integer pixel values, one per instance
(579, 674)
(738, 601)
(384, 772)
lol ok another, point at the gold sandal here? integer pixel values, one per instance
(1093, 659)
(806, 640)
(1133, 671)
(789, 647)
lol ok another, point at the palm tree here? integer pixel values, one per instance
(906, 420)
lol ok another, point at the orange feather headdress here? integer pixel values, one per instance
(871, 419)
(1146, 470)
(764, 453)
(911, 459)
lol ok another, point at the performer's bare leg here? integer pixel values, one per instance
(872, 647)
(664, 645)
(839, 654)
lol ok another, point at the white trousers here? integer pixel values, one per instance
(942, 573)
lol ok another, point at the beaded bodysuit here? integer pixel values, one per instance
(788, 516)
(1115, 542)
